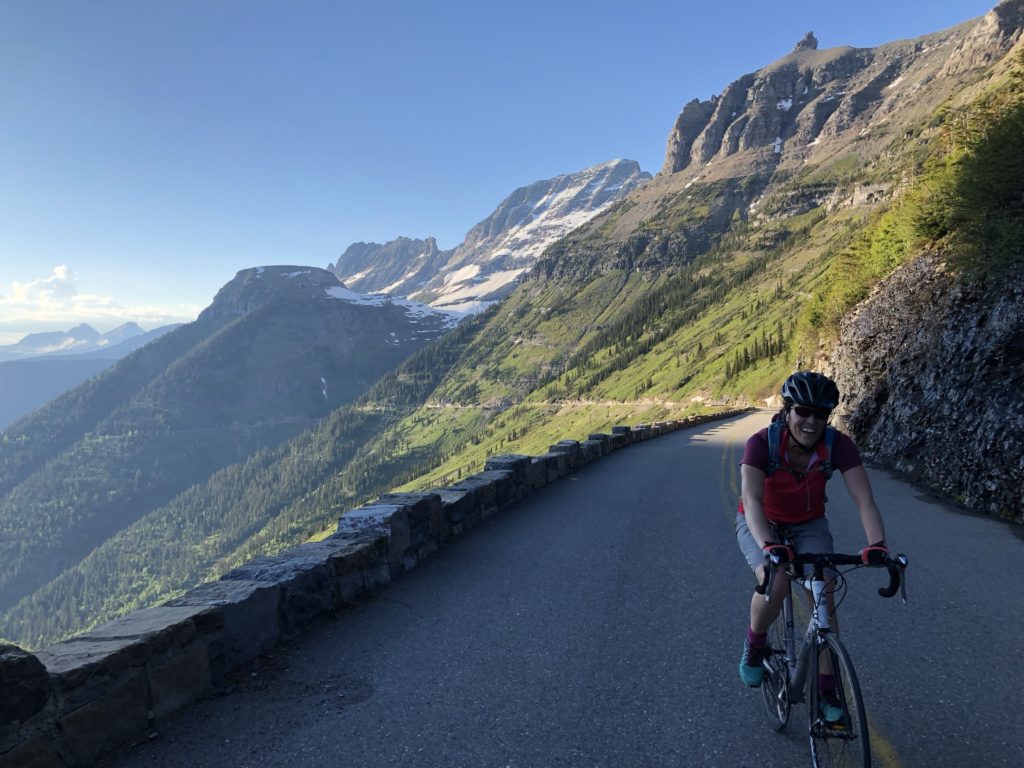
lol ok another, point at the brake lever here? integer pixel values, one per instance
(765, 587)
(902, 562)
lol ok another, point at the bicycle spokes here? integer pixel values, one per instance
(775, 690)
(837, 723)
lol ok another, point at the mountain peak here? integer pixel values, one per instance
(502, 247)
(255, 287)
(84, 332)
(122, 332)
(398, 267)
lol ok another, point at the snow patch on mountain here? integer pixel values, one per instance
(499, 250)
(413, 309)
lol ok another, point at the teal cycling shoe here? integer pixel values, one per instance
(832, 713)
(751, 672)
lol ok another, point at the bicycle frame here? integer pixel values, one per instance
(797, 665)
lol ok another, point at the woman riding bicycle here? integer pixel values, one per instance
(786, 493)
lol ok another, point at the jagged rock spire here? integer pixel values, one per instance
(808, 43)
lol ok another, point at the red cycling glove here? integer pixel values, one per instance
(781, 551)
(874, 554)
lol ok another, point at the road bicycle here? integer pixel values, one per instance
(837, 723)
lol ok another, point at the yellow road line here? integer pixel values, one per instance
(882, 752)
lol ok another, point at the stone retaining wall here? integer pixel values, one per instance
(74, 701)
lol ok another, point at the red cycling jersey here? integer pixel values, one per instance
(791, 496)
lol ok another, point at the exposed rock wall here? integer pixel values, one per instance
(936, 367)
(399, 267)
(814, 105)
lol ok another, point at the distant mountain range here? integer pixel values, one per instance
(44, 365)
(498, 251)
(83, 340)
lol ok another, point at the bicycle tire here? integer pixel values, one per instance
(775, 685)
(846, 742)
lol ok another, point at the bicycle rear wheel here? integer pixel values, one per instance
(775, 686)
(843, 741)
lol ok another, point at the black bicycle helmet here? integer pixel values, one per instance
(815, 390)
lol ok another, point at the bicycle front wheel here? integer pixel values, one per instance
(838, 723)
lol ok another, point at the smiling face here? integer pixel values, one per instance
(806, 424)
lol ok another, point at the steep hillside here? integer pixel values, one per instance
(933, 363)
(816, 129)
(278, 350)
(933, 358)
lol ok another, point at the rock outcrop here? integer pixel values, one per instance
(937, 365)
(805, 131)
(24, 686)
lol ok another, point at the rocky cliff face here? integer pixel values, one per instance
(813, 96)
(936, 368)
(400, 267)
(502, 247)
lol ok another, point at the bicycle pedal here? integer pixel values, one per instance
(826, 730)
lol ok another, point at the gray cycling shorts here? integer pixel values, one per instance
(810, 536)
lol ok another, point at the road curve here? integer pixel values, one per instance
(598, 623)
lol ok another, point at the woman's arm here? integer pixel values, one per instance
(752, 491)
(859, 486)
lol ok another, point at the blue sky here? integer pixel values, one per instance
(150, 150)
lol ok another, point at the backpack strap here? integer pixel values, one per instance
(775, 449)
(774, 446)
(828, 439)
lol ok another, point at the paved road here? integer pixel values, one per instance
(599, 623)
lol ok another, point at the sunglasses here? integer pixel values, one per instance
(805, 413)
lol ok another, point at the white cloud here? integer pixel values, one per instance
(47, 291)
(55, 303)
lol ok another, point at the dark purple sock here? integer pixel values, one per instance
(756, 639)
(827, 684)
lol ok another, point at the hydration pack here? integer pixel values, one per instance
(775, 449)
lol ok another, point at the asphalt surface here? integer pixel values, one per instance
(599, 623)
